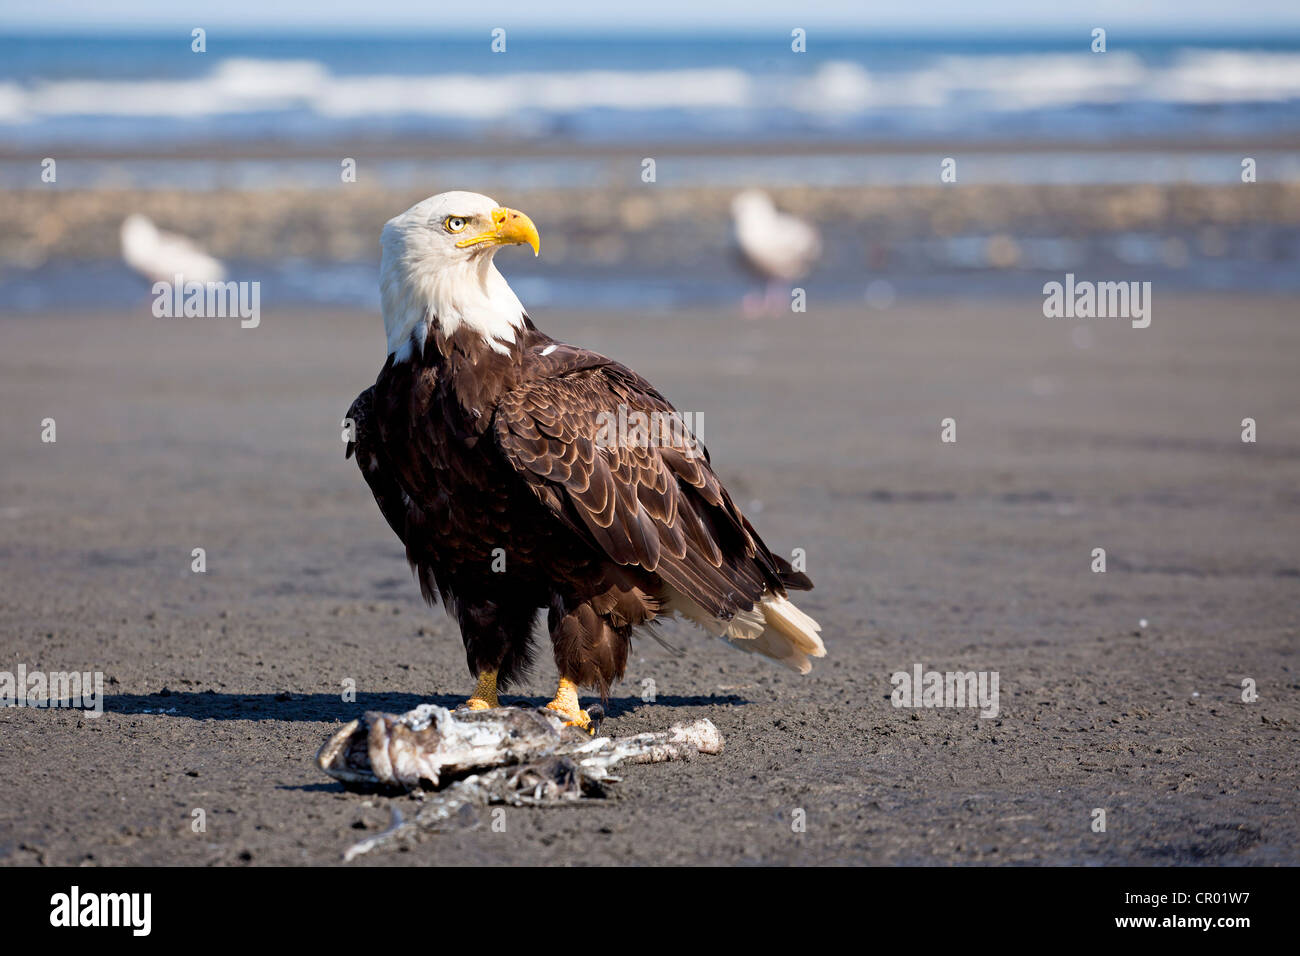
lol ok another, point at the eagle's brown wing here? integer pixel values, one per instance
(657, 505)
(366, 445)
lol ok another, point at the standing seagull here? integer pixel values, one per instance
(779, 247)
(487, 446)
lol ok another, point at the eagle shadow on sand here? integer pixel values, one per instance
(212, 705)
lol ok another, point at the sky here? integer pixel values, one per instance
(927, 16)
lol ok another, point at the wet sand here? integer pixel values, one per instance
(180, 434)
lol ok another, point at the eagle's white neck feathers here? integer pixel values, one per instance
(418, 286)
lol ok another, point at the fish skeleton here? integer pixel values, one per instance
(516, 756)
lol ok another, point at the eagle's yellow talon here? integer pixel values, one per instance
(581, 719)
(485, 694)
(583, 724)
(566, 704)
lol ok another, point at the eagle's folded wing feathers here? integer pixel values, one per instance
(657, 505)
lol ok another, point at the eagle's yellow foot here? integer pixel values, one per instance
(485, 694)
(566, 705)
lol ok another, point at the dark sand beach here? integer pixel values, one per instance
(1071, 435)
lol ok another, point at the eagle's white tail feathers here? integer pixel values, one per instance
(774, 628)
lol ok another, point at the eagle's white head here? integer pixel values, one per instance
(436, 266)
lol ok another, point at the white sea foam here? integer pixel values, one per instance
(1003, 82)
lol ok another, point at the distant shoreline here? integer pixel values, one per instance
(442, 147)
(511, 166)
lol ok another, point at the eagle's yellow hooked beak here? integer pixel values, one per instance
(509, 227)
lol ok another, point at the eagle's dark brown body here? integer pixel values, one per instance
(486, 466)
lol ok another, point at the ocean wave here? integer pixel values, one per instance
(1008, 82)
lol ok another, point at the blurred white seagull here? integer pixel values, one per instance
(162, 256)
(776, 245)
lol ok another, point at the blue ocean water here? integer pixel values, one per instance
(137, 92)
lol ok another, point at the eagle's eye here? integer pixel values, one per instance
(455, 223)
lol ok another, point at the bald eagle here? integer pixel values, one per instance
(487, 446)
